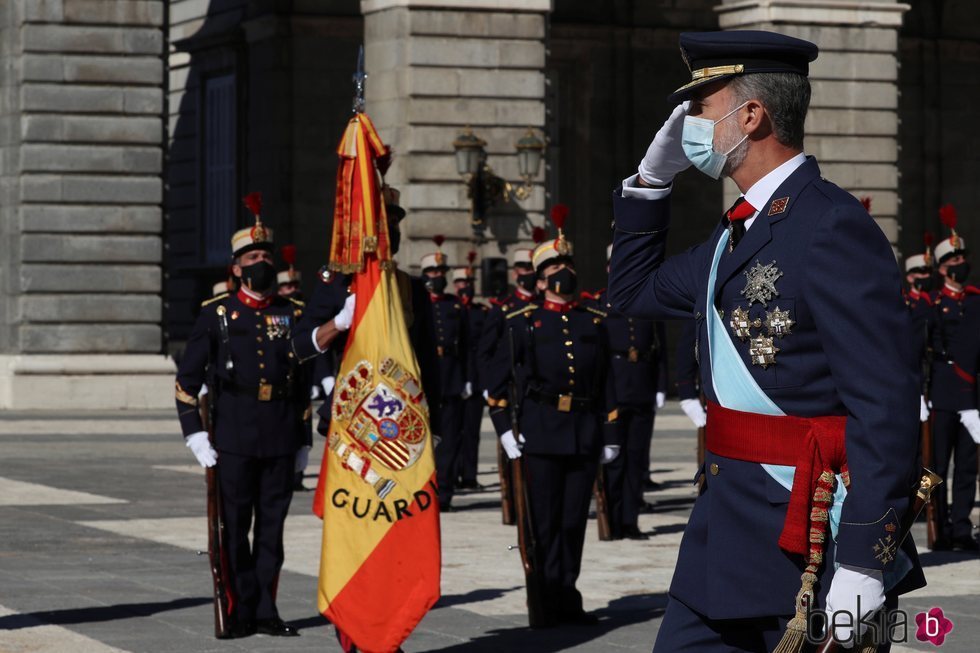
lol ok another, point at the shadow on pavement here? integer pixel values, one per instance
(620, 613)
(939, 558)
(452, 600)
(96, 614)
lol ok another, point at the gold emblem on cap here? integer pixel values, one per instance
(258, 233)
(714, 71)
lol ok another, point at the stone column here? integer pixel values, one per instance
(852, 126)
(81, 128)
(435, 67)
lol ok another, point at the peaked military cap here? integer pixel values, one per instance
(713, 56)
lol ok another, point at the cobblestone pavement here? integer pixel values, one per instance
(102, 522)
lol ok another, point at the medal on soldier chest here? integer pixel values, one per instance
(760, 283)
(778, 323)
(762, 351)
(277, 326)
(741, 324)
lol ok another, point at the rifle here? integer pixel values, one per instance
(506, 490)
(932, 527)
(537, 608)
(921, 497)
(601, 505)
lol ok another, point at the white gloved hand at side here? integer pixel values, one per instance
(923, 409)
(610, 452)
(328, 383)
(201, 448)
(302, 459)
(853, 587)
(695, 411)
(971, 420)
(467, 390)
(665, 157)
(661, 399)
(345, 317)
(512, 445)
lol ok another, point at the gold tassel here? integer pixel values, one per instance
(795, 636)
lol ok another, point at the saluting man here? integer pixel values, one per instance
(556, 354)
(638, 366)
(803, 352)
(953, 390)
(241, 345)
(473, 405)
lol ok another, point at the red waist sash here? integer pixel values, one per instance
(814, 445)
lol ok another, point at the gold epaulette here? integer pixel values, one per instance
(298, 302)
(522, 311)
(596, 311)
(217, 298)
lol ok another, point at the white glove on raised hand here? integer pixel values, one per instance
(467, 390)
(327, 383)
(853, 587)
(512, 445)
(923, 409)
(695, 411)
(665, 157)
(302, 459)
(661, 399)
(345, 317)
(201, 448)
(971, 420)
(610, 452)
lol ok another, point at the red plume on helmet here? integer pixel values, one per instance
(254, 203)
(471, 256)
(928, 238)
(289, 255)
(866, 203)
(439, 240)
(538, 235)
(559, 213)
(947, 215)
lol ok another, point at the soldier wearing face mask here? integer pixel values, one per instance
(918, 298)
(953, 392)
(241, 344)
(555, 355)
(451, 340)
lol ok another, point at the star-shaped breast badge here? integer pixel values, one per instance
(760, 284)
(778, 323)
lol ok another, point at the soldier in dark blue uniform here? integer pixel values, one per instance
(638, 367)
(951, 392)
(918, 278)
(556, 354)
(803, 350)
(449, 321)
(241, 346)
(473, 404)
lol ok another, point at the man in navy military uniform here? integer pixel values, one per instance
(555, 355)
(918, 278)
(952, 391)
(473, 405)
(638, 367)
(803, 348)
(241, 346)
(449, 323)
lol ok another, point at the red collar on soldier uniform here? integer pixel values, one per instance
(558, 307)
(520, 293)
(919, 296)
(251, 302)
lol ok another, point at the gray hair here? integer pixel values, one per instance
(786, 97)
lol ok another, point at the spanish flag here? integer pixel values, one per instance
(380, 559)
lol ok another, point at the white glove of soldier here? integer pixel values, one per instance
(695, 411)
(302, 459)
(923, 409)
(345, 317)
(610, 452)
(971, 420)
(512, 445)
(467, 390)
(665, 157)
(328, 383)
(851, 587)
(201, 448)
(661, 399)
(314, 393)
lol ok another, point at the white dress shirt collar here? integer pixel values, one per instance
(761, 191)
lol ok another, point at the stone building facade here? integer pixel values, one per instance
(129, 130)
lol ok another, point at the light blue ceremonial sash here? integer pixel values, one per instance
(736, 389)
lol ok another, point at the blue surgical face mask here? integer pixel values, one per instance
(698, 141)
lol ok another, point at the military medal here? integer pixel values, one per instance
(778, 323)
(741, 324)
(762, 351)
(234, 315)
(277, 326)
(760, 285)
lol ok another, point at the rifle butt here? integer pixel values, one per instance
(601, 506)
(506, 487)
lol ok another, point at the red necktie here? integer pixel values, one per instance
(736, 221)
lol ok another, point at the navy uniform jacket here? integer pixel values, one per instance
(639, 375)
(847, 354)
(923, 319)
(258, 346)
(492, 335)
(688, 385)
(328, 300)
(449, 321)
(947, 391)
(964, 351)
(556, 352)
(476, 318)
